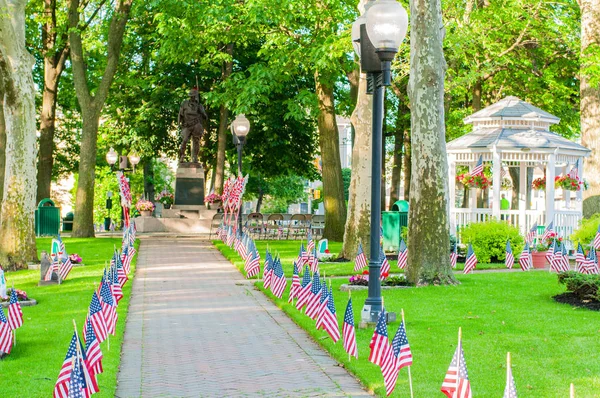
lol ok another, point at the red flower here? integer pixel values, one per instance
(385, 274)
(365, 272)
(327, 251)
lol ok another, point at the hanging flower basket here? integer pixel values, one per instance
(506, 184)
(539, 184)
(477, 181)
(568, 183)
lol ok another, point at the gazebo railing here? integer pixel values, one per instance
(566, 222)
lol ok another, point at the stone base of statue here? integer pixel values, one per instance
(189, 185)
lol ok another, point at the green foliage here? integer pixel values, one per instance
(489, 239)
(278, 192)
(585, 287)
(346, 176)
(587, 230)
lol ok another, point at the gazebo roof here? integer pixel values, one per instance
(505, 138)
(512, 108)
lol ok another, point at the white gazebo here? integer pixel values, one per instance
(514, 133)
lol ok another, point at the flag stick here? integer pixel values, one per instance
(350, 298)
(507, 368)
(458, 355)
(15, 330)
(409, 374)
(572, 393)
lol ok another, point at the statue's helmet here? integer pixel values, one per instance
(194, 94)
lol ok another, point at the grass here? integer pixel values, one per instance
(288, 251)
(32, 367)
(552, 345)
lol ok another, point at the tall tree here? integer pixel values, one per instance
(428, 253)
(17, 94)
(2, 149)
(590, 89)
(227, 69)
(91, 104)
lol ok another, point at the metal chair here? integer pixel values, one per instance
(297, 226)
(274, 226)
(215, 223)
(317, 225)
(255, 224)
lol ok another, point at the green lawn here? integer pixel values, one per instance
(288, 251)
(552, 344)
(33, 365)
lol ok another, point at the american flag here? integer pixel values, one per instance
(322, 305)
(96, 317)
(478, 169)
(15, 314)
(560, 261)
(548, 231)
(238, 243)
(348, 331)
(402, 254)
(592, 262)
(243, 247)
(6, 335)
(379, 342)
(115, 286)
(330, 321)
(313, 261)
(310, 243)
(305, 288)
(385, 264)
(120, 270)
(550, 253)
(295, 289)
(126, 260)
(525, 260)
(596, 243)
(305, 254)
(510, 391)
(574, 171)
(312, 303)
(471, 260)
(580, 260)
(77, 385)
(93, 352)
(453, 257)
(532, 234)
(278, 281)
(301, 257)
(61, 388)
(252, 264)
(456, 383)
(109, 308)
(230, 237)
(361, 259)
(64, 268)
(398, 357)
(510, 257)
(268, 270)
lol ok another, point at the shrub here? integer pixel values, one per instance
(585, 287)
(587, 230)
(489, 239)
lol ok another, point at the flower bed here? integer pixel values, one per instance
(24, 300)
(476, 181)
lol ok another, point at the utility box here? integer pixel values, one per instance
(68, 222)
(392, 223)
(47, 218)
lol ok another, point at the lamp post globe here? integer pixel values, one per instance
(240, 128)
(112, 156)
(387, 23)
(134, 158)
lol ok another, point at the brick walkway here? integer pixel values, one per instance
(197, 329)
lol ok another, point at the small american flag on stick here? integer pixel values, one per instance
(456, 383)
(15, 314)
(478, 169)
(402, 254)
(596, 243)
(304, 291)
(6, 335)
(398, 357)
(379, 342)
(361, 259)
(510, 257)
(471, 260)
(525, 260)
(532, 234)
(348, 331)
(453, 256)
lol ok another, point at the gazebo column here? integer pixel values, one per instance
(550, 175)
(579, 204)
(452, 184)
(473, 196)
(523, 197)
(496, 183)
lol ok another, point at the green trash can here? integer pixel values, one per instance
(47, 218)
(392, 223)
(68, 222)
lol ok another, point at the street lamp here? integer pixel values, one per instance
(377, 35)
(240, 128)
(112, 156)
(134, 159)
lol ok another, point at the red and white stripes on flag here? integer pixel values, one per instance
(399, 355)
(379, 345)
(15, 314)
(471, 260)
(305, 289)
(6, 335)
(525, 260)
(453, 257)
(349, 332)
(329, 318)
(532, 234)
(295, 288)
(510, 257)
(385, 264)
(93, 352)
(402, 254)
(596, 243)
(456, 382)
(361, 259)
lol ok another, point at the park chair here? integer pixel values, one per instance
(216, 221)
(255, 224)
(297, 226)
(274, 227)
(317, 225)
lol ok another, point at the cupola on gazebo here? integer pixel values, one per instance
(514, 137)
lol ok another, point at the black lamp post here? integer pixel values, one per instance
(240, 128)
(111, 158)
(377, 34)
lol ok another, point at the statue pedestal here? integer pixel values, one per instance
(189, 184)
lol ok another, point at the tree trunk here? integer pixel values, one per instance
(223, 131)
(590, 94)
(17, 245)
(91, 106)
(407, 165)
(2, 149)
(397, 167)
(429, 228)
(333, 185)
(54, 63)
(259, 201)
(476, 105)
(149, 188)
(514, 176)
(358, 223)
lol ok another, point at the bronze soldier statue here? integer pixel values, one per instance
(192, 119)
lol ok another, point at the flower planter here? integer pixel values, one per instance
(146, 213)
(538, 259)
(167, 206)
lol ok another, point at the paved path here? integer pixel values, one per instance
(197, 329)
